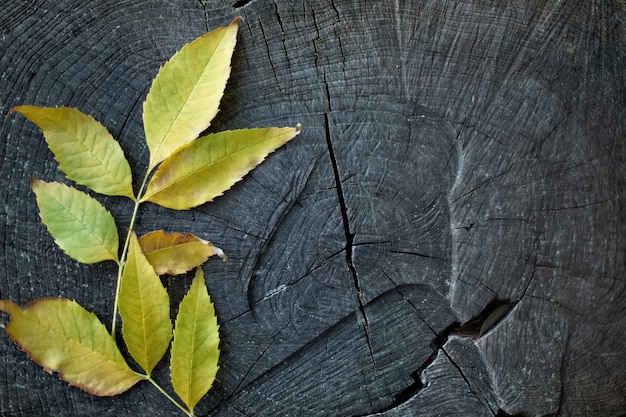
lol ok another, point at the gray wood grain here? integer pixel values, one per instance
(456, 156)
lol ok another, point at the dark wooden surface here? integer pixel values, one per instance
(456, 156)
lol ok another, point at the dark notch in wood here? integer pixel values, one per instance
(491, 315)
(240, 3)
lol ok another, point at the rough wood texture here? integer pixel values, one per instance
(456, 156)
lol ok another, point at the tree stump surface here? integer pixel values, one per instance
(446, 237)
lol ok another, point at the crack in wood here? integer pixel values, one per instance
(241, 3)
(410, 391)
(206, 15)
(349, 236)
(494, 313)
(242, 384)
(279, 20)
(269, 53)
(467, 382)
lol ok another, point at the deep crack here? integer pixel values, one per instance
(496, 311)
(411, 390)
(348, 234)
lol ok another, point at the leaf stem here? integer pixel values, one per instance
(169, 397)
(123, 258)
(121, 264)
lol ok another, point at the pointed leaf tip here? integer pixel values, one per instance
(186, 92)
(9, 307)
(62, 336)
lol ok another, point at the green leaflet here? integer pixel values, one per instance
(85, 150)
(195, 349)
(79, 224)
(185, 94)
(145, 310)
(62, 336)
(210, 165)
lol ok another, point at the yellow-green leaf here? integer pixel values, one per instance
(85, 150)
(79, 224)
(195, 349)
(62, 336)
(176, 253)
(145, 309)
(210, 165)
(186, 92)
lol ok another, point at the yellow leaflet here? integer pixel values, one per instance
(186, 92)
(176, 253)
(210, 165)
(195, 349)
(62, 336)
(79, 224)
(145, 310)
(85, 150)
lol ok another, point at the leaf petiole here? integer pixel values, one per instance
(169, 397)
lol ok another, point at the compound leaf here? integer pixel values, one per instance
(145, 309)
(210, 165)
(176, 253)
(85, 150)
(62, 336)
(195, 349)
(186, 92)
(79, 224)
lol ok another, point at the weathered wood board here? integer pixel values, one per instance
(457, 156)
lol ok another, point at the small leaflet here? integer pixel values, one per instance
(175, 253)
